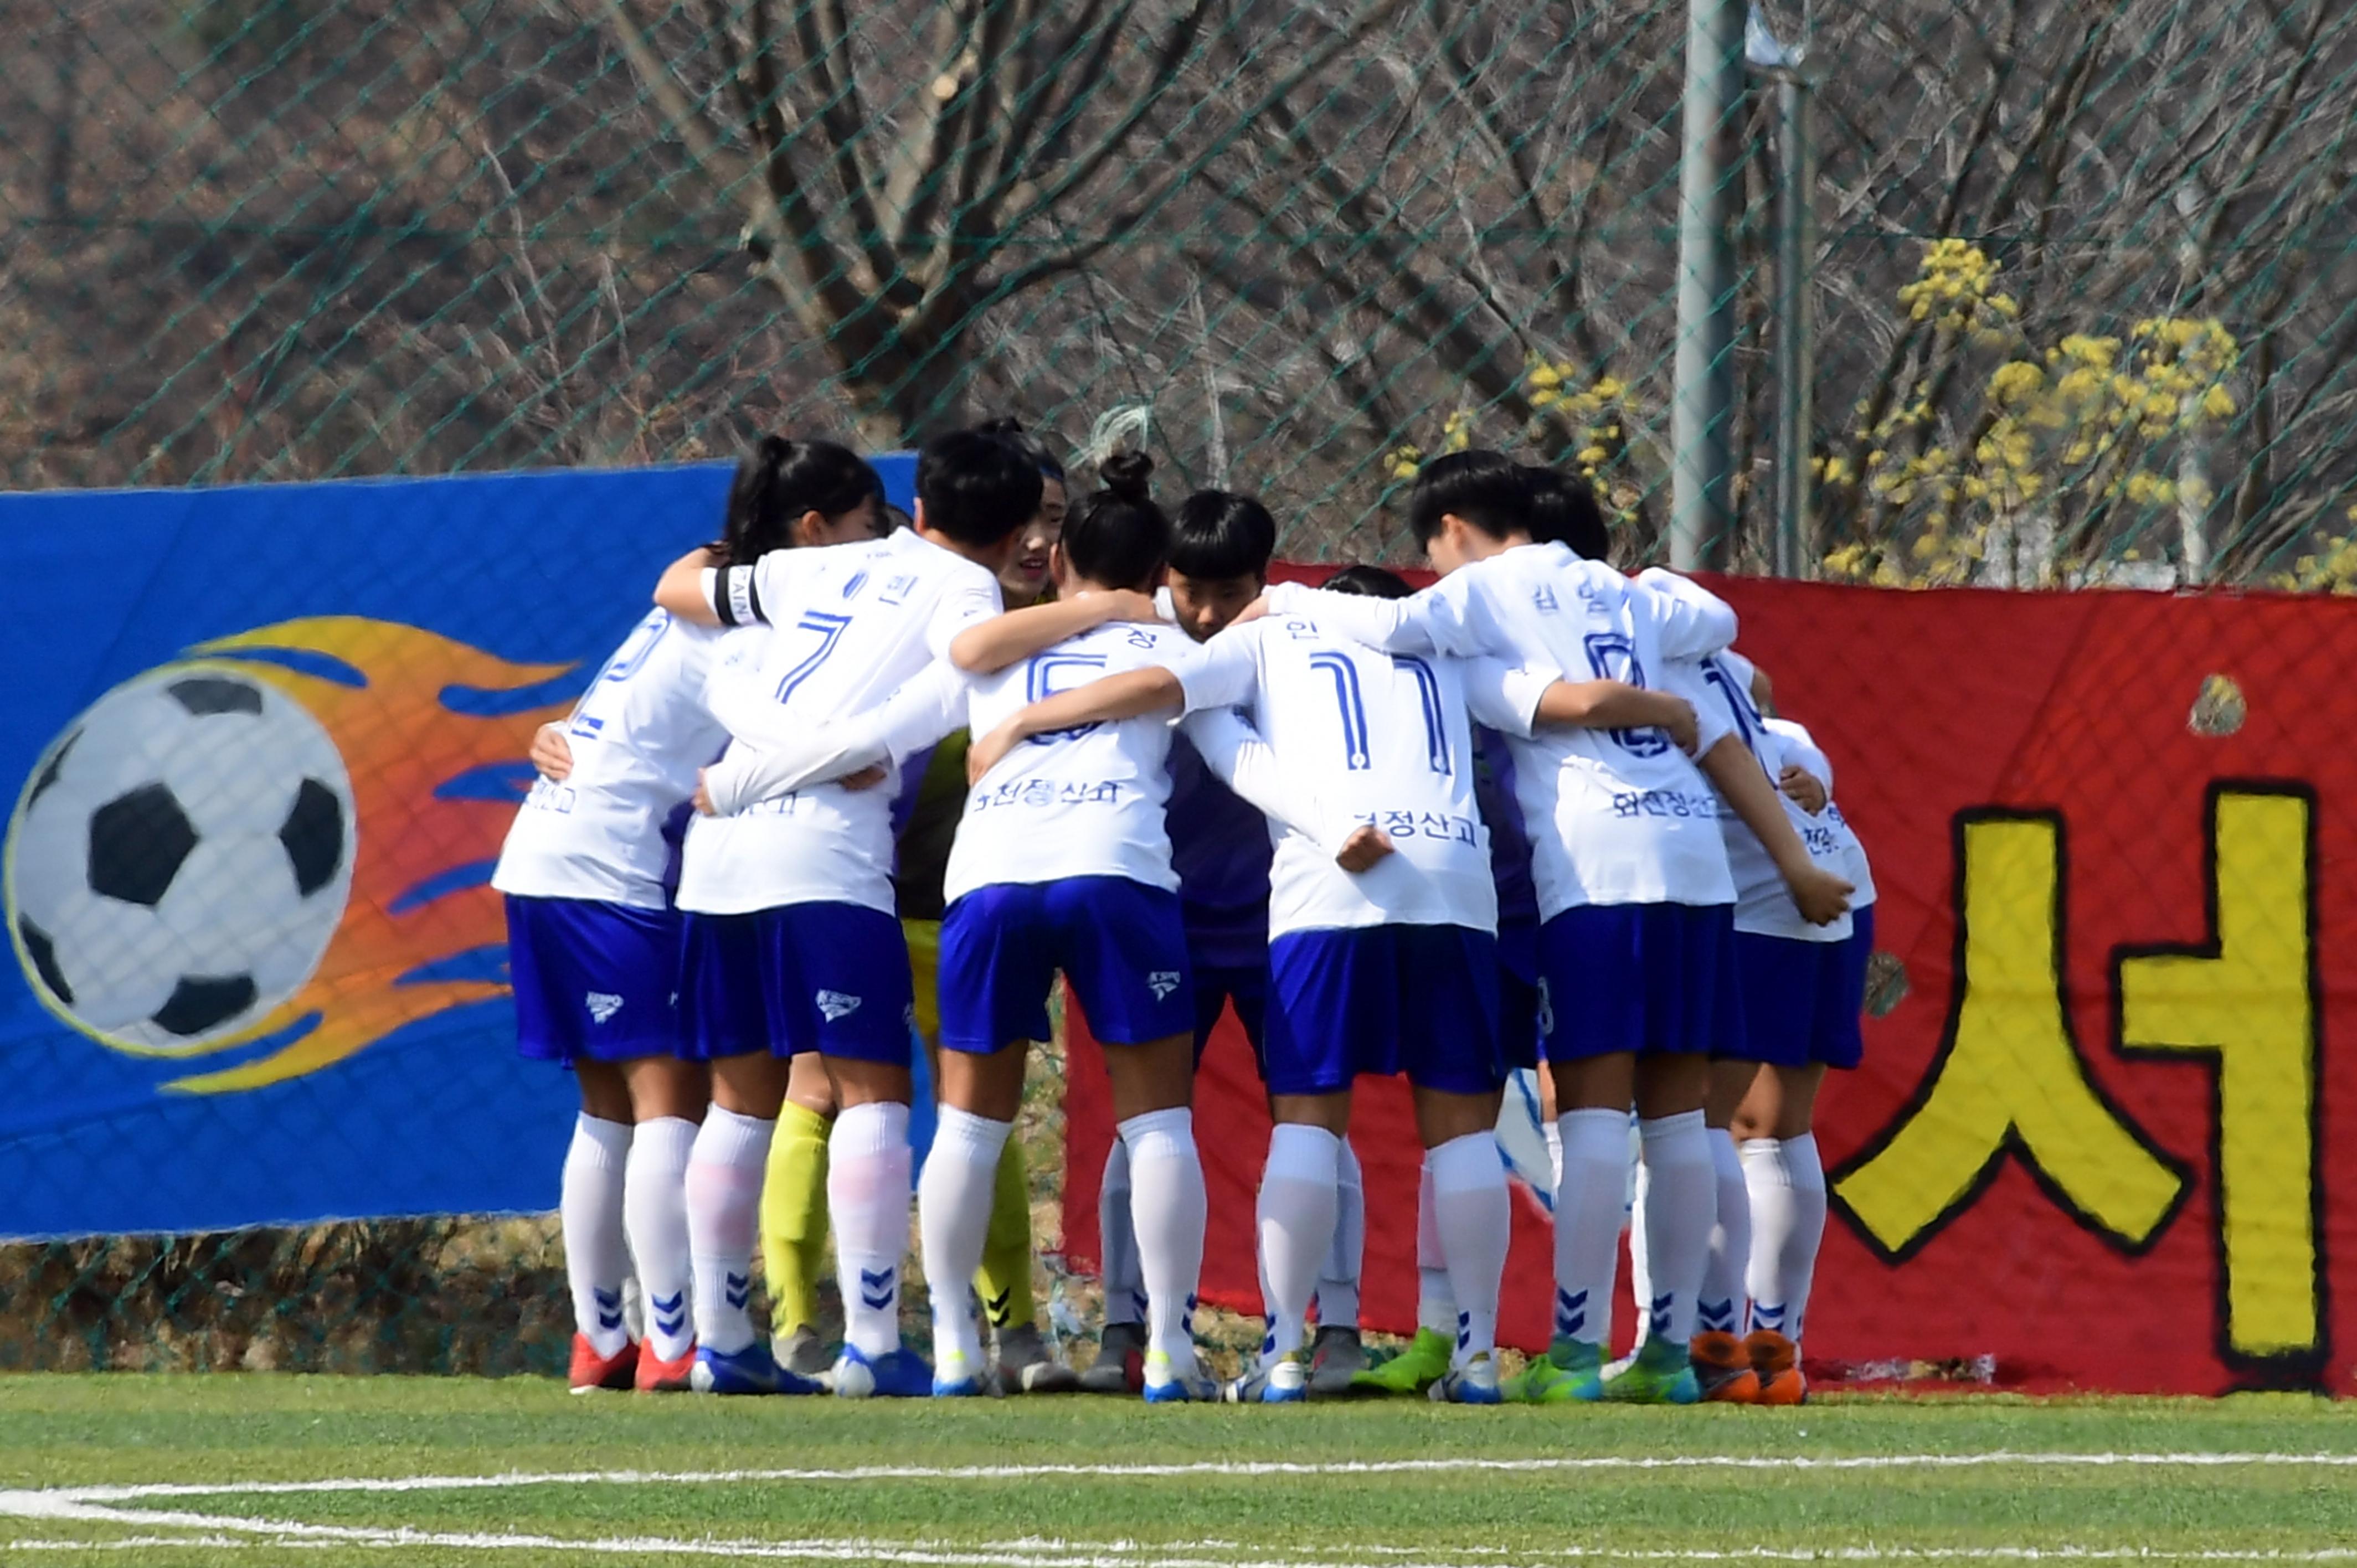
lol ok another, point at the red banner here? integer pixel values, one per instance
(2112, 834)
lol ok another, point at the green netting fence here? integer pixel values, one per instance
(2085, 281)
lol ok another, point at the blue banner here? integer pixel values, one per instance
(263, 744)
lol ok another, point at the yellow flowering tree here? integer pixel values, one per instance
(2039, 461)
(1579, 423)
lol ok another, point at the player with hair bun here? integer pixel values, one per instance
(596, 938)
(852, 626)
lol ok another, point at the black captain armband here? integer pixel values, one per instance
(735, 598)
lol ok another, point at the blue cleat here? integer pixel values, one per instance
(957, 1376)
(898, 1374)
(752, 1370)
(1285, 1380)
(1165, 1384)
(1476, 1382)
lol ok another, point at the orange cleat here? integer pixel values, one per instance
(657, 1376)
(1723, 1370)
(591, 1371)
(1776, 1361)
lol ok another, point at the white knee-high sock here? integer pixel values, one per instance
(1679, 1206)
(1552, 1132)
(1436, 1300)
(724, 1206)
(1125, 1287)
(1640, 1274)
(590, 1213)
(1297, 1199)
(1720, 1309)
(654, 1214)
(867, 1163)
(1167, 1207)
(954, 1199)
(1588, 1204)
(1468, 1193)
(1338, 1278)
(1787, 1182)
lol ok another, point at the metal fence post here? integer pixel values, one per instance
(1702, 425)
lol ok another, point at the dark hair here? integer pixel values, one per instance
(975, 489)
(1008, 429)
(1223, 534)
(1369, 582)
(1564, 512)
(778, 481)
(1119, 537)
(1485, 489)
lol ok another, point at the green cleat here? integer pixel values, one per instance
(1570, 1372)
(1411, 1371)
(1662, 1373)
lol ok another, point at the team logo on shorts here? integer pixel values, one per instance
(1162, 983)
(834, 1006)
(602, 1004)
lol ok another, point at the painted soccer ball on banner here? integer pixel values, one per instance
(178, 861)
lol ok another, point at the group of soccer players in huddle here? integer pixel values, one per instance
(1537, 815)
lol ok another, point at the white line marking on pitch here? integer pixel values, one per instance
(290, 1535)
(13, 1502)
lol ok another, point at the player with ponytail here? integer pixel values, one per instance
(595, 939)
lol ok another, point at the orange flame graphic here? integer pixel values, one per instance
(400, 743)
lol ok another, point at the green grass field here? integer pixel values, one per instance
(198, 1470)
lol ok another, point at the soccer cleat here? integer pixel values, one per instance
(752, 1370)
(1660, 1373)
(955, 1375)
(1572, 1371)
(1475, 1382)
(1285, 1380)
(657, 1376)
(1165, 1384)
(1723, 1370)
(803, 1352)
(1120, 1366)
(1776, 1362)
(1026, 1365)
(1337, 1357)
(590, 1371)
(898, 1374)
(1411, 1371)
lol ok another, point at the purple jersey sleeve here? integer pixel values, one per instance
(1510, 842)
(1219, 847)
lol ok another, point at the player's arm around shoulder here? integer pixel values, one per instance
(1689, 621)
(1012, 635)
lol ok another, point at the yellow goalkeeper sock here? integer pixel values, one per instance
(1005, 1277)
(793, 1217)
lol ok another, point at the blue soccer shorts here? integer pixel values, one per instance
(1121, 944)
(1246, 985)
(1519, 1041)
(835, 979)
(1422, 1000)
(1638, 979)
(721, 1009)
(1793, 1010)
(593, 980)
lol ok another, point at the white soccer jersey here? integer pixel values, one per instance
(637, 736)
(1378, 739)
(1614, 816)
(1802, 751)
(1083, 802)
(1719, 688)
(850, 625)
